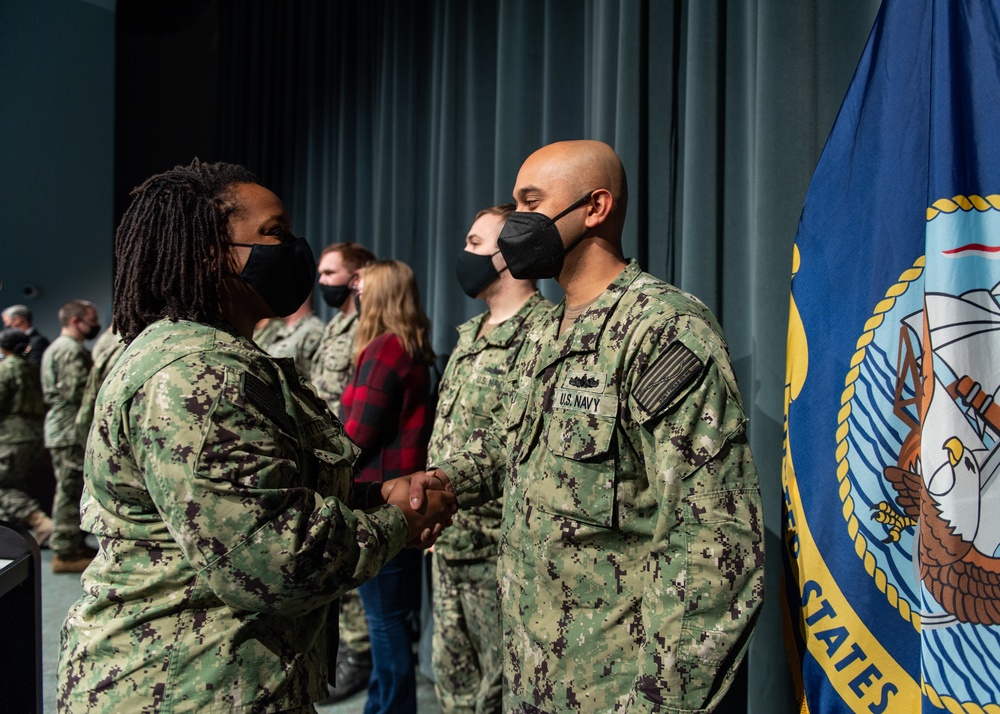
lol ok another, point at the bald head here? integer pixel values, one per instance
(579, 186)
(573, 169)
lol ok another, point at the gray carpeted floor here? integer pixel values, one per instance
(61, 591)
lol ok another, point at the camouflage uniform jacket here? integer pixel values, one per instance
(65, 367)
(631, 554)
(333, 363)
(470, 387)
(21, 407)
(265, 335)
(107, 350)
(215, 483)
(299, 341)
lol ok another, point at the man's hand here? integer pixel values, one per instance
(427, 502)
(423, 481)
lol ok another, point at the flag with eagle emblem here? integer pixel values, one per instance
(891, 468)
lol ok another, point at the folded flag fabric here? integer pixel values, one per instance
(891, 467)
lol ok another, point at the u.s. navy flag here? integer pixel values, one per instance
(892, 452)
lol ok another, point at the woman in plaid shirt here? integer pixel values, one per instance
(388, 411)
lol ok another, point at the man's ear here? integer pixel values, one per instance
(599, 208)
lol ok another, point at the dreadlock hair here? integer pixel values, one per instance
(170, 248)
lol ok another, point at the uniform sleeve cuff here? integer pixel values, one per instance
(465, 480)
(391, 523)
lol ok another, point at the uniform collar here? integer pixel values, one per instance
(506, 331)
(585, 334)
(343, 322)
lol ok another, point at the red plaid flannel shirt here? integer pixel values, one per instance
(388, 410)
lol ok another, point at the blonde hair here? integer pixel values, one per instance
(390, 303)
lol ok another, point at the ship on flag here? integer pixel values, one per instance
(891, 468)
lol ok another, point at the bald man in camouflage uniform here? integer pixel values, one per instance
(631, 554)
(65, 367)
(466, 641)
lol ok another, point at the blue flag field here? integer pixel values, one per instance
(891, 468)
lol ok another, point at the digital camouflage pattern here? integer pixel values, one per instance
(216, 486)
(16, 464)
(22, 411)
(471, 385)
(354, 624)
(333, 363)
(299, 342)
(67, 463)
(107, 350)
(22, 408)
(266, 333)
(65, 367)
(631, 555)
(466, 635)
(330, 373)
(466, 645)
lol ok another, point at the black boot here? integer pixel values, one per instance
(353, 671)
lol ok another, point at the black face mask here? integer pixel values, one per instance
(532, 246)
(335, 295)
(93, 332)
(475, 272)
(282, 274)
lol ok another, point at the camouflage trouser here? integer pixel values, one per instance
(16, 461)
(67, 462)
(466, 649)
(353, 623)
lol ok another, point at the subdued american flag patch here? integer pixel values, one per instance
(256, 392)
(663, 379)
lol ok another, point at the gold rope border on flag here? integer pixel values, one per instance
(843, 468)
(964, 203)
(953, 705)
(943, 205)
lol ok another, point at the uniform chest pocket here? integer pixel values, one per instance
(578, 479)
(334, 472)
(446, 398)
(518, 404)
(520, 429)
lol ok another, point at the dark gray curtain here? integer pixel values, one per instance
(391, 122)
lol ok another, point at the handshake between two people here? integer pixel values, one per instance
(426, 500)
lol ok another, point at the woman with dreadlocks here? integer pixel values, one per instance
(216, 483)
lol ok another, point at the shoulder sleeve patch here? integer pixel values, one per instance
(666, 376)
(256, 392)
